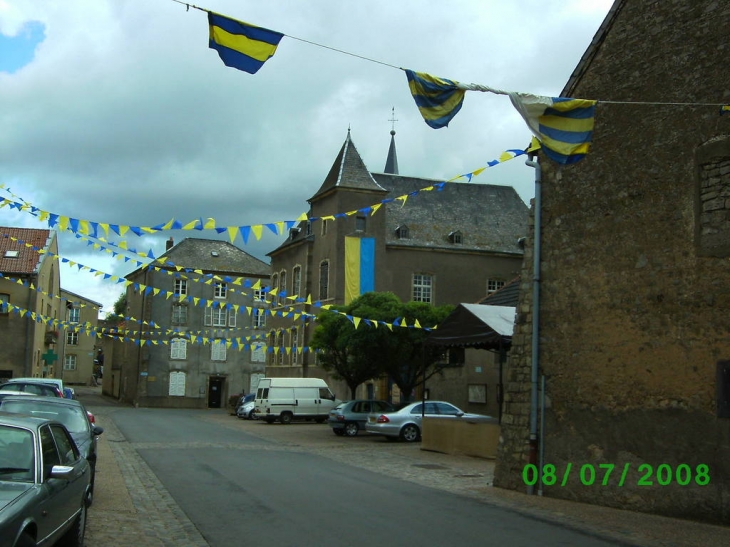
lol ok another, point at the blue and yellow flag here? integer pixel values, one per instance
(437, 99)
(359, 266)
(563, 125)
(241, 45)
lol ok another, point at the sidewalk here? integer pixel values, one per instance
(131, 507)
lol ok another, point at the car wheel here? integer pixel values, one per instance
(351, 429)
(251, 415)
(285, 418)
(90, 491)
(410, 433)
(26, 540)
(338, 432)
(74, 537)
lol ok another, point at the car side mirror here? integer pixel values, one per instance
(96, 430)
(61, 472)
(459, 414)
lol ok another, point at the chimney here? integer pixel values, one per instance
(168, 245)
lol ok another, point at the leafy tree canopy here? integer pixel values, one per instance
(120, 309)
(371, 350)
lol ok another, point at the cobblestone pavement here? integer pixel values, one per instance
(133, 508)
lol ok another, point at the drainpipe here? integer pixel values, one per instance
(29, 340)
(533, 443)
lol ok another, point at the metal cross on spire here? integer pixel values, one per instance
(393, 120)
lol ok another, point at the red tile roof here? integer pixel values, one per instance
(27, 259)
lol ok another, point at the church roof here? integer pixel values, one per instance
(460, 216)
(348, 171)
(487, 217)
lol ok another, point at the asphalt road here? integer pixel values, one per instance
(256, 485)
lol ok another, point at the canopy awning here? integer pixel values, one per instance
(475, 325)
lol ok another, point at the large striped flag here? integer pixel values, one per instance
(437, 99)
(359, 266)
(563, 125)
(240, 45)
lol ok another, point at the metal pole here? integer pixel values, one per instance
(541, 460)
(533, 446)
(500, 387)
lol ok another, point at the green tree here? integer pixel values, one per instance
(350, 353)
(371, 350)
(411, 361)
(120, 309)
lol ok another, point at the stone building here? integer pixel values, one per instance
(29, 303)
(449, 245)
(634, 329)
(78, 344)
(201, 313)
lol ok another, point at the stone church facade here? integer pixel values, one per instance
(449, 245)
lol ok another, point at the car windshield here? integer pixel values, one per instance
(17, 458)
(74, 418)
(248, 398)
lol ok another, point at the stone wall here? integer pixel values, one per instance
(635, 279)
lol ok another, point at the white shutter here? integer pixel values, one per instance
(218, 350)
(178, 348)
(177, 384)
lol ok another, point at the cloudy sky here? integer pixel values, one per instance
(116, 111)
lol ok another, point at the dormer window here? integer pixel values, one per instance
(455, 238)
(401, 232)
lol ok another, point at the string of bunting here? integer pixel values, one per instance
(288, 313)
(91, 228)
(563, 125)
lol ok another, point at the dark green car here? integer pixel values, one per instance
(44, 483)
(71, 413)
(351, 416)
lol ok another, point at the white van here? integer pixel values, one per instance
(287, 399)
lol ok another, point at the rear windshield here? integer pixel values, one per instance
(74, 418)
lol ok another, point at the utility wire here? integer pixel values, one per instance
(475, 87)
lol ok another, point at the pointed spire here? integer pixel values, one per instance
(391, 164)
(348, 171)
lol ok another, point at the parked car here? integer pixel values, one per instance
(246, 408)
(35, 388)
(69, 393)
(44, 483)
(351, 416)
(55, 381)
(406, 422)
(71, 414)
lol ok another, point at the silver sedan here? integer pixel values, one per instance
(406, 422)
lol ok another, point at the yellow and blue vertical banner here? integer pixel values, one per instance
(359, 266)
